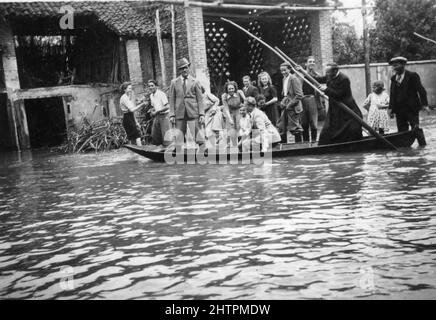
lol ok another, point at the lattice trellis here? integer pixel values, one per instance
(296, 37)
(217, 54)
(255, 49)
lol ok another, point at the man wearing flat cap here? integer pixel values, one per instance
(407, 95)
(186, 102)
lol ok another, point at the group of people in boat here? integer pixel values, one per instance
(257, 115)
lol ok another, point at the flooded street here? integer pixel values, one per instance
(115, 225)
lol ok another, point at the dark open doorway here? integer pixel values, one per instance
(46, 121)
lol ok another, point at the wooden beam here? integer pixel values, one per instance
(22, 128)
(160, 48)
(173, 38)
(215, 16)
(284, 6)
(366, 48)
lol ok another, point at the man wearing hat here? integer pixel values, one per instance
(186, 102)
(407, 95)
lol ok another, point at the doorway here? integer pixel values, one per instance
(46, 121)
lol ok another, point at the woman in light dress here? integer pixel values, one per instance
(216, 116)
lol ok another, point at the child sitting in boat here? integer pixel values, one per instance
(377, 104)
(245, 125)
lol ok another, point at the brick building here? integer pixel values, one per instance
(73, 73)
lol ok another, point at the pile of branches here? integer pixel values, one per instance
(96, 136)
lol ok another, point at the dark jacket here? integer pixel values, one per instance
(410, 95)
(251, 91)
(339, 126)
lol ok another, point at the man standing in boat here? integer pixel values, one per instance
(159, 112)
(186, 103)
(339, 126)
(407, 95)
(311, 104)
(290, 118)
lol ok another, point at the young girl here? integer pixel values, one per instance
(377, 104)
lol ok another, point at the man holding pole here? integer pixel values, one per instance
(339, 125)
(186, 103)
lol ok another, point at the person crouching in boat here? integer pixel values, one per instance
(128, 107)
(160, 112)
(377, 104)
(245, 125)
(263, 132)
(339, 126)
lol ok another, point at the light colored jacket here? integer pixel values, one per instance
(266, 130)
(295, 94)
(192, 102)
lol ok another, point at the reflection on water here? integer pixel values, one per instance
(115, 225)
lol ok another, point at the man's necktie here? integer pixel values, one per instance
(184, 85)
(399, 78)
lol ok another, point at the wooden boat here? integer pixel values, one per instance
(400, 140)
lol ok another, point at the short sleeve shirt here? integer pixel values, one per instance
(158, 100)
(126, 104)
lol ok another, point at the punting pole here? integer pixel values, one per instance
(422, 37)
(340, 104)
(160, 48)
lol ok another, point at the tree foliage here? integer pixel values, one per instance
(396, 20)
(347, 47)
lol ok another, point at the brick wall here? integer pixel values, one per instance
(181, 34)
(197, 41)
(134, 61)
(147, 65)
(168, 56)
(321, 37)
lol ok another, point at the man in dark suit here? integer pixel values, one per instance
(186, 102)
(407, 95)
(248, 89)
(339, 126)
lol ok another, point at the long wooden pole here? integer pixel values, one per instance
(160, 48)
(343, 106)
(287, 58)
(366, 48)
(173, 36)
(284, 6)
(422, 37)
(340, 104)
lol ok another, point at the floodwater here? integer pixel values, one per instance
(115, 225)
